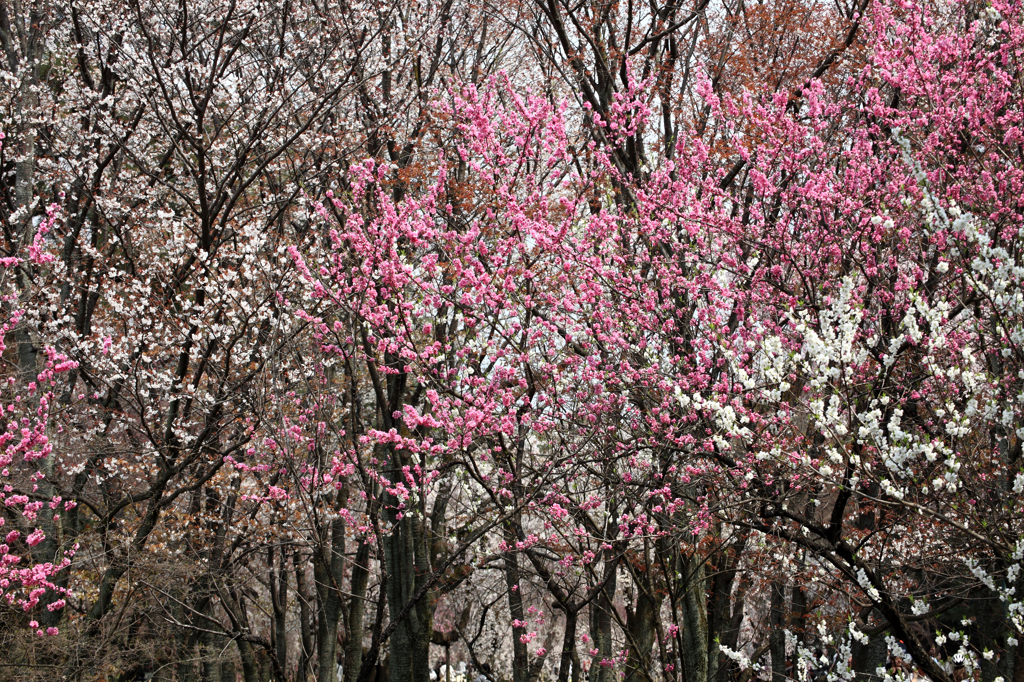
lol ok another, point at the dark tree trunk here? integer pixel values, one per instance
(356, 611)
(328, 571)
(250, 670)
(867, 658)
(695, 620)
(279, 602)
(520, 660)
(777, 634)
(566, 662)
(305, 633)
(601, 627)
(405, 554)
(641, 626)
(721, 628)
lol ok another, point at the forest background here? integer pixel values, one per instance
(567, 340)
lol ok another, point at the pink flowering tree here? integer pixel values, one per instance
(30, 525)
(519, 375)
(428, 308)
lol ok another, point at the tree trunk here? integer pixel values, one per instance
(210, 649)
(640, 624)
(721, 630)
(328, 570)
(279, 602)
(777, 634)
(867, 658)
(360, 578)
(305, 633)
(695, 621)
(565, 663)
(520, 655)
(405, 554)
(601, 627)
(250, 671)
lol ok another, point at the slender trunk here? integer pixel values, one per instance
(777, 634)
(279, 602)
(601, 628)
(640, 624)
(305, 633)
(184, 643)
(328, 574)
(719, 616)
(799, 611)
(25, 113)
(566, 662)
(520, 660)
(360, 578)
(405, 553)
(695, 620)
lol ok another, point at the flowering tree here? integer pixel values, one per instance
(31, 521)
